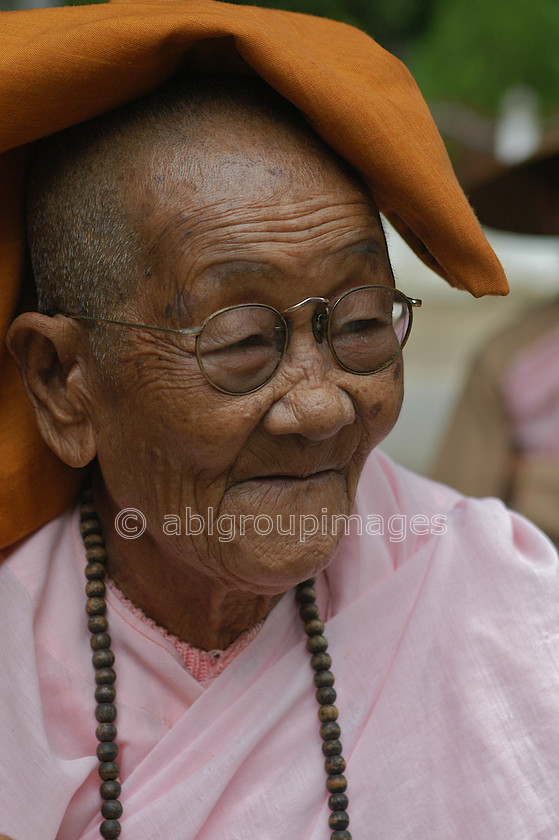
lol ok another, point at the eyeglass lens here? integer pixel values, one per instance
(240, 348)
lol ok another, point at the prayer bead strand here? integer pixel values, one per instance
(103, 660)
(330, 730)
(105, 692)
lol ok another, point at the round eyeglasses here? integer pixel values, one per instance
(240, 348)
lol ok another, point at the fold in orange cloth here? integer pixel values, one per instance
(60, 66)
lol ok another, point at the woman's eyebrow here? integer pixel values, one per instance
(221, 273)
(233, 267)
(365, 246)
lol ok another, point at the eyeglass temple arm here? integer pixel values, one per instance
(180, 331)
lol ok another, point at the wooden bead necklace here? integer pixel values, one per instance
(330, 730)
(105, 692)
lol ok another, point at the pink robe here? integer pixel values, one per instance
(530, 389)
(445, 648)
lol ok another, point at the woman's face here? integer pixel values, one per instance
(243, 488)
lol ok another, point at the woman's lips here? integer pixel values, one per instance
(292, 480)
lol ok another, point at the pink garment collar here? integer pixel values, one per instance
(204, 665)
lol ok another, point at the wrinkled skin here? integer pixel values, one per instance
(265, 226)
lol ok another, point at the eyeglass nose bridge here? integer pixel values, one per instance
(320, 315)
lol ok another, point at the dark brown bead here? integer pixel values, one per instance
(338, 802)
(314, 627)
(326, 695)
(306, 594)
(95, 571)
(110, 789)
(333, 747)
(104, 676)
(308, 612)
(95, 606)
(340, 835)
(321, 661)
(105, 693)
(323, 678)
(106, 732)
(336, 784)
(93, 539)
(105, 712)
(334, 765)
(99, 641)
(86, 496)
(103, 658)
(317, 644)
(109, 770)
(95, 588)
(96, 552)
(90, 526)
(330, 731)
(97, 623)
(111, 809)
(110, 829)
(107, 751)
(338, 820)
(327, 714)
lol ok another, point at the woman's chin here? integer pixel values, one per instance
(272, 565)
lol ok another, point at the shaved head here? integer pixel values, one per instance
(92, 187)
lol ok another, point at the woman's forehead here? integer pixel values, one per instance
(245, 208)
(243, 163)
(233, 240)
(259, 265)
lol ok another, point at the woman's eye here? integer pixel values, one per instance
(362, 325)
(251, 341)
(248, 342)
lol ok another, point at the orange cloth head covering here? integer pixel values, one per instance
(61, 66)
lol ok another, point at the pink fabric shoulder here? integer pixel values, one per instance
(531, 396)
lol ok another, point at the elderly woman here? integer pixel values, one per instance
(215, 353)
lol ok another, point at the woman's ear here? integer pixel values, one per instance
(50, 355)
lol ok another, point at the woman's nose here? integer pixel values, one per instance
(310, 404)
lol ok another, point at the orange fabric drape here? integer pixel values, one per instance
(62, 65)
